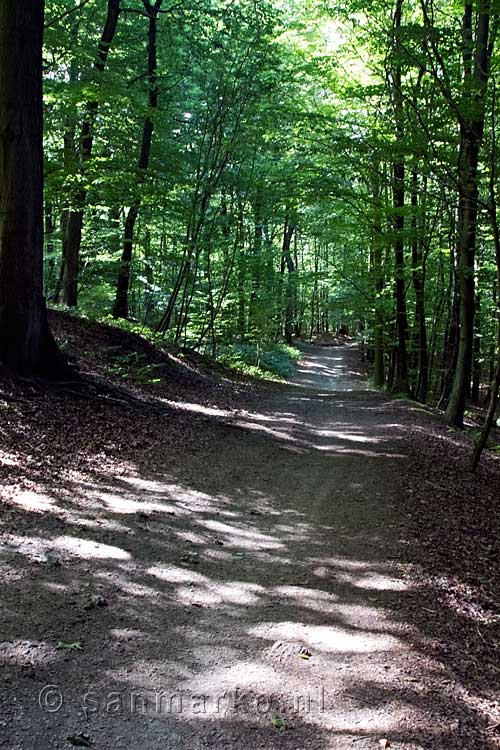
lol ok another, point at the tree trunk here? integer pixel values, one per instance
(476, 70)
(476, 368)
(121, 306)
(378, 284)
(290, 285)
(418, 274)
(254, 311)
(401, 376)
(26, 344)
(72, 238)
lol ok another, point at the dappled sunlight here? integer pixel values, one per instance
(36, 502)
(327, 370)
(329, 639)
(216, 573)
(36, 548)
(343, 436)
(243, 537)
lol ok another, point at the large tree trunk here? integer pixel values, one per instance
(72, 238)
(26, 344)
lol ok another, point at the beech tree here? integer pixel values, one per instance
(26, 344)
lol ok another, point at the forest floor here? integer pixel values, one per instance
(198, 563)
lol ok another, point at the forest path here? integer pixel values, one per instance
(254, 600)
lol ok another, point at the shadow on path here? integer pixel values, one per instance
(246, 596)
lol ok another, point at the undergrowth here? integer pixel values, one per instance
(267, 361)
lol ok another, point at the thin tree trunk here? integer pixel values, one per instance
(72, 238)
(418, 274)
(476, 367)
(290, 285)
(476, 71)
(401, 376)
(378, 285)
(121, 305)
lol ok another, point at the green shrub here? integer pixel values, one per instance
(261, 360)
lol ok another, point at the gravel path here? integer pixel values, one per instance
(243, 596)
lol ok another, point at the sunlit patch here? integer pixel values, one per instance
(346, 436)
(216, 555)
(88, 548)
(242, 675)
(378, 582)
(93, 523)
(146, 485)
(247, 538)
(128, 505)
(55, 588)
(125, 634)
(34, 501)
(191, 537)
(198, 588)
(9, 459)
(211, 411)
(173, 574)
(131, 588)
(213, 592)
(307, 598)
(37, 547)
(277, 433)
(327, 639)
(345, 563)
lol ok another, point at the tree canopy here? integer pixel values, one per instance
(232, 173)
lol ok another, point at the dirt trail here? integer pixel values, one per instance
(246, 596)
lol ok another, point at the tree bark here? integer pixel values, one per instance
(72, 238)
(26, 344)
(290, 285)
(418, 274)
(121, 306)
(476, 73)
(401, 375)
(378, 283)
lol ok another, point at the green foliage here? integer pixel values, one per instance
(267, 122)
(274, 361)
